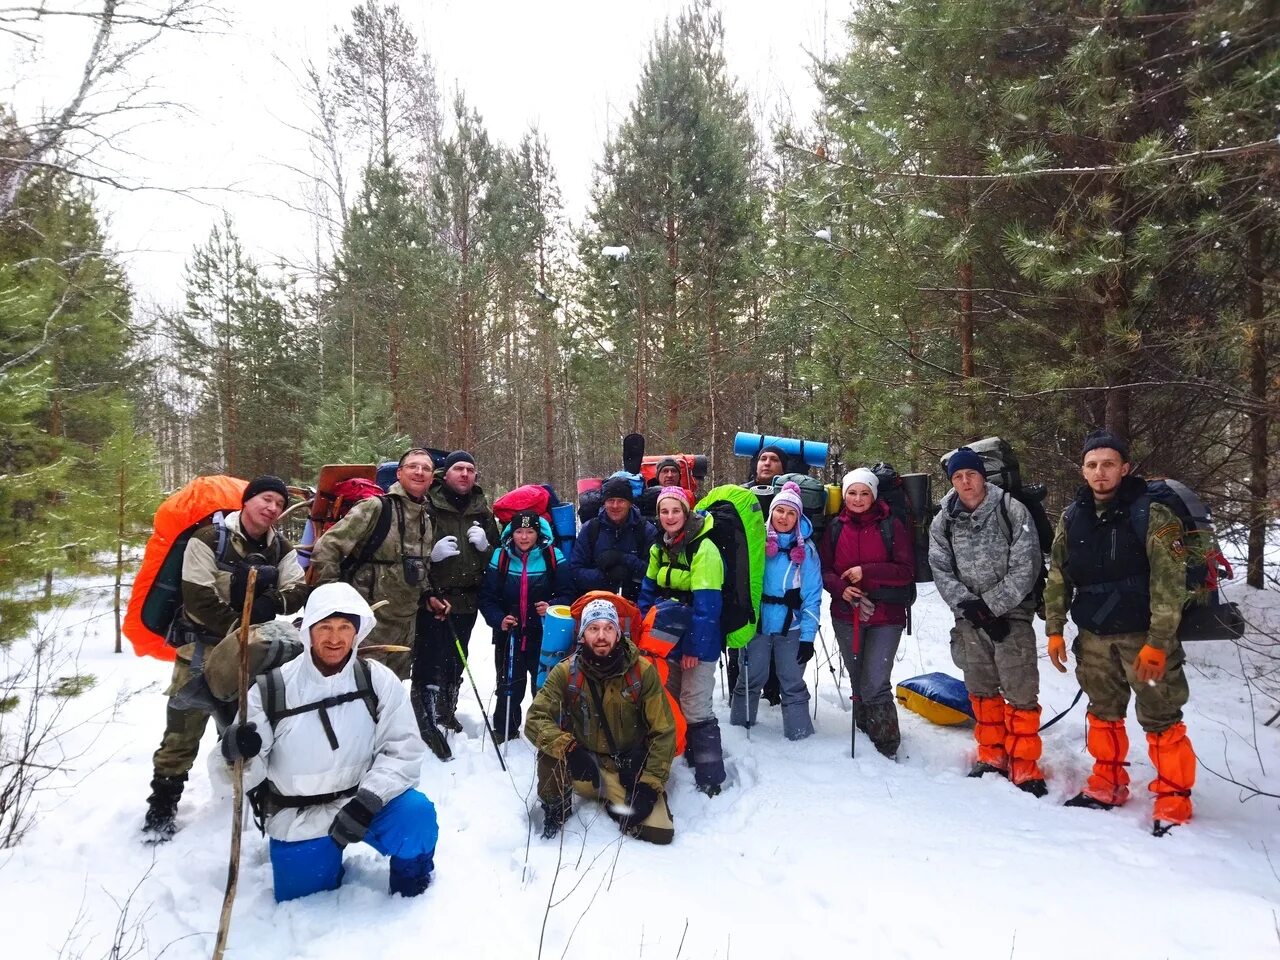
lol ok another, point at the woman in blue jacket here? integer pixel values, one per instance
(526, 574)
(789, 614)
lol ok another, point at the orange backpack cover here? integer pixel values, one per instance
(178, 515)
(651, 649)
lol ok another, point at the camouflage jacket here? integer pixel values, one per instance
(383, 578)
(978, 555)
(206, 584)
(458, 578)
(554, 723)
(1166, 555)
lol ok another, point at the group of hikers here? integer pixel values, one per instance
(333, 746)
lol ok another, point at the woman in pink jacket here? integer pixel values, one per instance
(868, 567)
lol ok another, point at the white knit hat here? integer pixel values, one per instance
(860, 475)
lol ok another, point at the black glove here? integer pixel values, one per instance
(352, 821)
(241, 741)
(268, 577)
(620, 573)
(642, 801)
(265, 608)
(977, 612)
(606, 560)
(583, 765)
(805, 652)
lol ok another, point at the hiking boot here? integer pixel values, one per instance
(860, 715)
(447, 707)
(882, 728)
(423, 700)
(710, 789)
(554, 815)
(981, 769)
(1088, 803)
(162, 808)
(1160, 828)
(1035, 786)
(500, 738)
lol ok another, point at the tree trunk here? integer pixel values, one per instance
(1256, 345)
(966, 344)
(120, 512)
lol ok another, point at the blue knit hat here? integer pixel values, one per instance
(965, 459)
(1100, 439)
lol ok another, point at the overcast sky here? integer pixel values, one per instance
(570, 66)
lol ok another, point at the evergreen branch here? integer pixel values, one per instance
(1218, 153)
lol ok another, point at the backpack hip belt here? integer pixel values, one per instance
(275, 801)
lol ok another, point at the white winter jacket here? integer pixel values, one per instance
(384, 758)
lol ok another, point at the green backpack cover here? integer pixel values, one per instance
(738, 532)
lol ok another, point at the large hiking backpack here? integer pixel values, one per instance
(738, 533)
(1001, 467)
(157, 589)
(813, 496)
(1204, 616)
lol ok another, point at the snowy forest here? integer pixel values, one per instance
(1024, 218)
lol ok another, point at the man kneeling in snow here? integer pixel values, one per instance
(332, 746)
(603, 727)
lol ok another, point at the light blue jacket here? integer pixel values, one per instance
(781, 574)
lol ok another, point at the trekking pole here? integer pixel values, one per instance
(511, 682)
(237, 773)
(484, 713)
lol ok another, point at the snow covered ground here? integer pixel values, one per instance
(807, 852)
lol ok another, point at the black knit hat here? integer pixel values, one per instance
(1100, 439)
(351, 618)
(526, 520)
(664, 463)
(267, 483)
(617, 487)
(458, 456)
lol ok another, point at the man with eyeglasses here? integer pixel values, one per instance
(382, 547)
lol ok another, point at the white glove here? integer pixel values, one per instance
(445, 548)
(476, 537)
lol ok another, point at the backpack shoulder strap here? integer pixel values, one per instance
(886, 534)
(834, 531)
(373, 542)
(633, 682)
(271, 689)
(364, 687)
(1004, 515)
(1140, 517)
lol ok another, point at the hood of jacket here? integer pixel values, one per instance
(545, 536)
(325, 601)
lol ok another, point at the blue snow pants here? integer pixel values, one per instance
(405, 829)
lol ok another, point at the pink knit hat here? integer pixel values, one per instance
(788, 496)
(674, 493)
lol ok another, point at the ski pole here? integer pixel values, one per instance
(237, 773)
(511, 682)
(466, 665)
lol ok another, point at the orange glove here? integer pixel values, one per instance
(1058, 651)
(1149, 664)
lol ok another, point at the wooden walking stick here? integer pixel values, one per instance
(237, 774)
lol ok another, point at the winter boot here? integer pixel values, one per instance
(1023, 746)
(410, 876)
(703, 743)
(447, 707)
(1086, 802)
(423, 699)
(882, 728)
(162, 808)
(554, 815)
(1175, 763)
(981, 769)
(989, 731)
(796, 722)
(860, 715)
(1108, 744)
(1035, 786)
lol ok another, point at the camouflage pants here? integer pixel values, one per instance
(182, 730)
(1007, 668)
(554, 784)
(397, 633)
(1104, 667)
